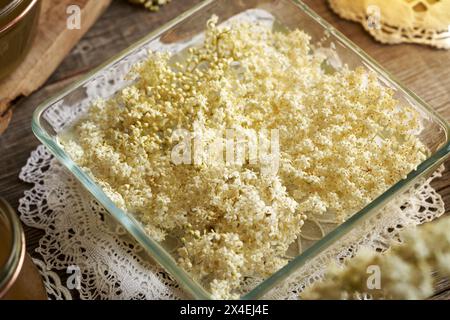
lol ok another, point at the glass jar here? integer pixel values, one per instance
(18, 25)
(19, 277)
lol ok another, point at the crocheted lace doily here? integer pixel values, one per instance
(396, 21)
(80, 235)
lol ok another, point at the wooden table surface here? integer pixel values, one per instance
(425, 70)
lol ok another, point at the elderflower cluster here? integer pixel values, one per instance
(405, 269)
(152, 5)
(343, 140)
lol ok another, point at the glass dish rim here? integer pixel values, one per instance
(161, 255)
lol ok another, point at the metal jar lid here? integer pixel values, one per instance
(15, 247)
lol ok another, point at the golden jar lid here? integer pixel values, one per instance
(19, 277)
(12, 11)
(18, 25)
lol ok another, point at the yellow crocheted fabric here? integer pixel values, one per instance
(413, 21)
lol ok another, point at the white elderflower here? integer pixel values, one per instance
(342, 141)
(405, 270)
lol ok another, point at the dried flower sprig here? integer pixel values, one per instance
(405, 269)
(152, 5)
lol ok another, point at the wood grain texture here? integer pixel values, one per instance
(425, 70)
(52, 43)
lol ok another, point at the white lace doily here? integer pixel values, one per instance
(80, 235)
(55, 289)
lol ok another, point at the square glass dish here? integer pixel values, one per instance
(61, 111)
